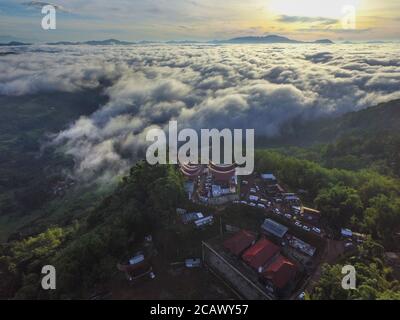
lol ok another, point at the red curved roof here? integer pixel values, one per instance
(191, 167)
(222, 173)
(191, 170)
(259, 254)
(191, 174)
(222, 167)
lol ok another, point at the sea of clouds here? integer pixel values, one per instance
(200, 86)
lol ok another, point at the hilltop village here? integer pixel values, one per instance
(256, 237)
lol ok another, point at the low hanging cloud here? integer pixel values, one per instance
(41, 4)
(303, 19)
(200, 86)
(320, 57)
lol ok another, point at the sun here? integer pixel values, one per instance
(311, 8)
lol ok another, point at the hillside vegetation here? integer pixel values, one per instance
(366, 139)
(85, 240)
(86, 251)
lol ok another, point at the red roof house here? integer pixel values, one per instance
(280, 272)
(259, 254)
(239, 242)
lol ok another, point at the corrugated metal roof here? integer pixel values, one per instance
(204, 221)
(188, 217)
(274, 228)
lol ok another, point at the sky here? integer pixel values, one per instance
(202, 20)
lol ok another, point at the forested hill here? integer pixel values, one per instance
(86, 251)
(366, 139)
(384, 117)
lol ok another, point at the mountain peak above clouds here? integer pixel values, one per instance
(269, 39)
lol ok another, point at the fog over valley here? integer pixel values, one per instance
(200, 86)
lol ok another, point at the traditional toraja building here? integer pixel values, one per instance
(212, 183)
(191, 171)
(223, 173)
(220, 173)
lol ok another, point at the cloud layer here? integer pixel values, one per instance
(201, 86)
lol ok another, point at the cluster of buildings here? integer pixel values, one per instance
(280, 233)
(265, 265)
(274, 261)
(196, 218)
(204, 183)
(278, 260)
(275, 271)
(266, 193)
(254, 194)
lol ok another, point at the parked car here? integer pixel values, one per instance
(260, 205)
(316, 230)
(301, 296)
(298, 224)
(252, 204)
(307, 228)
(253, 198)
(193, 263)
(288, 216)
(349, 246)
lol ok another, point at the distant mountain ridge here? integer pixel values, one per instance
(270, 39)
(106, 42)
(14, 43)
(238, 40)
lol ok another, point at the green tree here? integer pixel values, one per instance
(382, 218)
(338, 205)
